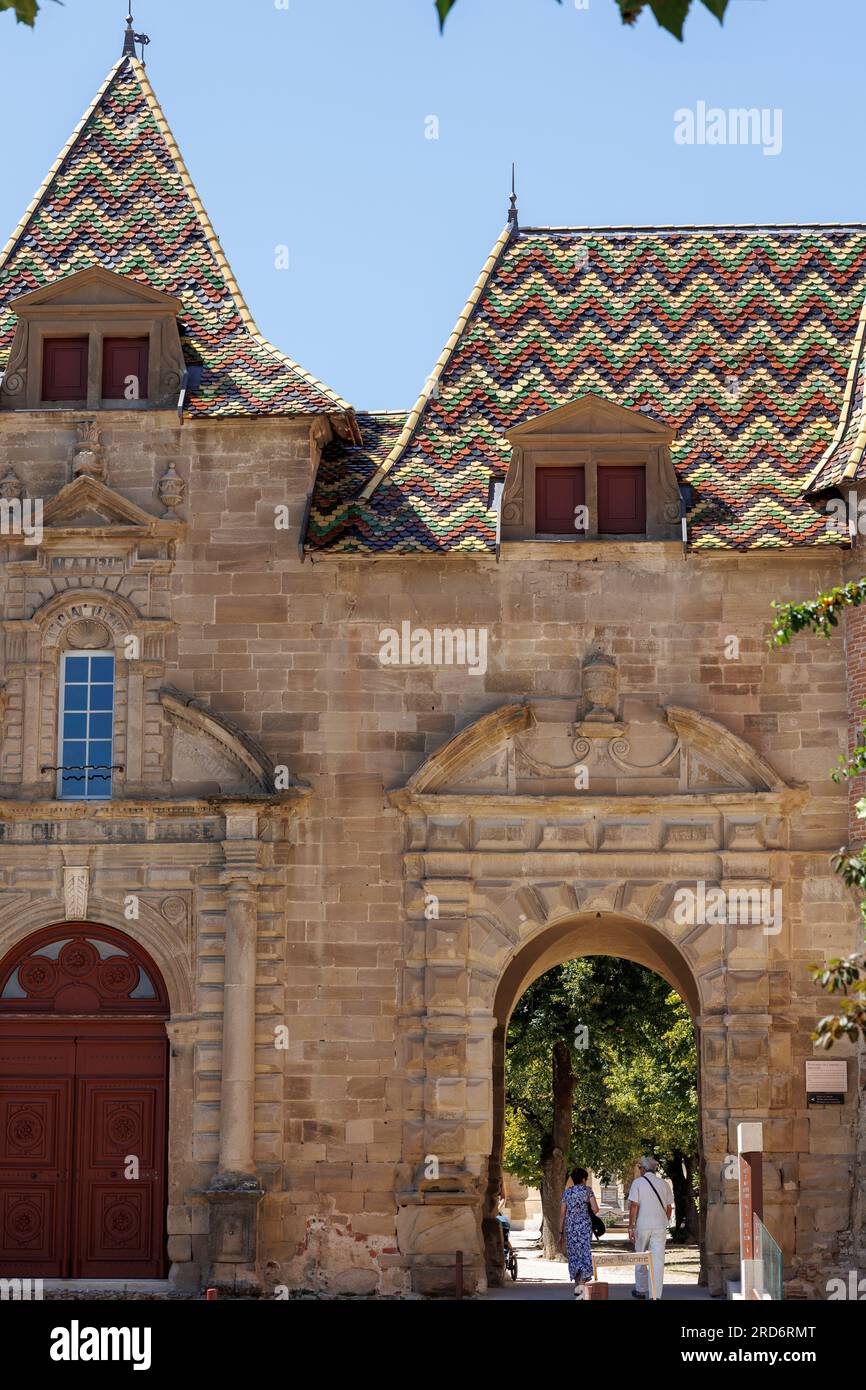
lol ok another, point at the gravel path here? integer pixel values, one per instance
(548, 1279)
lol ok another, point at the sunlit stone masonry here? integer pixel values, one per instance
(326, 732)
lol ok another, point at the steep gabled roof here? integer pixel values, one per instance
(739, 338)
(344, 470)
(842, 461)
(119, 196)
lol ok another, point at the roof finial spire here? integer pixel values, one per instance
(130, 39)
(512, 210)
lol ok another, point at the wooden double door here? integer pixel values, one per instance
(82, 1148)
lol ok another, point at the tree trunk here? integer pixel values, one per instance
(686, 1220)
(555, 1149)
(678, 1183)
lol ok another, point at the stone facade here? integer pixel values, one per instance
(430, 854)
(383, 754)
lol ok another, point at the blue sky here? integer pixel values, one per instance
(305, 127)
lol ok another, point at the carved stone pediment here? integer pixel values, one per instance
(209, 757)
(88, 502)
(542, 750)
(591, 415)
(96, 286)
(88, 519)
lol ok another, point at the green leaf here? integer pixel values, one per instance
(25, 10)
(671, 15)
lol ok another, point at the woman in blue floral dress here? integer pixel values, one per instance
(575, 1227)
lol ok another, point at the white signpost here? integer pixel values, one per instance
(750, 1151)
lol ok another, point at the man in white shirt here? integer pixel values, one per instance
(650, 1201)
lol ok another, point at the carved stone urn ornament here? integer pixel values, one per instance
(11, 487)
(171, 490)
(87, 456)
(600, 688)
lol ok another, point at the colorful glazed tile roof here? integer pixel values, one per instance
(739, 338)
(842, 462)
(119, 196)
(345, 469)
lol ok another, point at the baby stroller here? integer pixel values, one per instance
(508, 1250)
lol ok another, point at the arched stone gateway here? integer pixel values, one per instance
(592, 934)
(533, 837)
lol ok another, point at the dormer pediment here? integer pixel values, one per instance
(591, 416)
(94, 340)
(590, 469)
(96, 286)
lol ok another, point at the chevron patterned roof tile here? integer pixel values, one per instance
(120, 197)
(739, 338)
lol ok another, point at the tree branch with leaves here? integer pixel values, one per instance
(669, 14)
(841, 975)
(25, 10)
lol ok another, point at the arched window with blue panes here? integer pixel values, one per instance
(86, 726)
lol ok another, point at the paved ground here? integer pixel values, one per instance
(548, 1279)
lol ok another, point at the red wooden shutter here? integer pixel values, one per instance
(558, 491)
(64, 369)
(121, 359)
(622, 500)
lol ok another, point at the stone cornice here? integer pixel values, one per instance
(289, 801)
(567, 807)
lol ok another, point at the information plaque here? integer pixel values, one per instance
(826, 1082)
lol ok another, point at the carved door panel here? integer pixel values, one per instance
(120, 1158)
(83, 1097)
(36, 1102)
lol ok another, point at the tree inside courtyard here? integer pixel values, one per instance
(600, 1068)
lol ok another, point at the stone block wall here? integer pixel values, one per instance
(289, 649)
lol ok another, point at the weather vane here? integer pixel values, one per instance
(512, 210)
(130, 39)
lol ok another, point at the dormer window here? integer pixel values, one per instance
(621, 499)
(124, 369)
(560, 493)
(95, 340)
(64, 369)
(588, 470)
